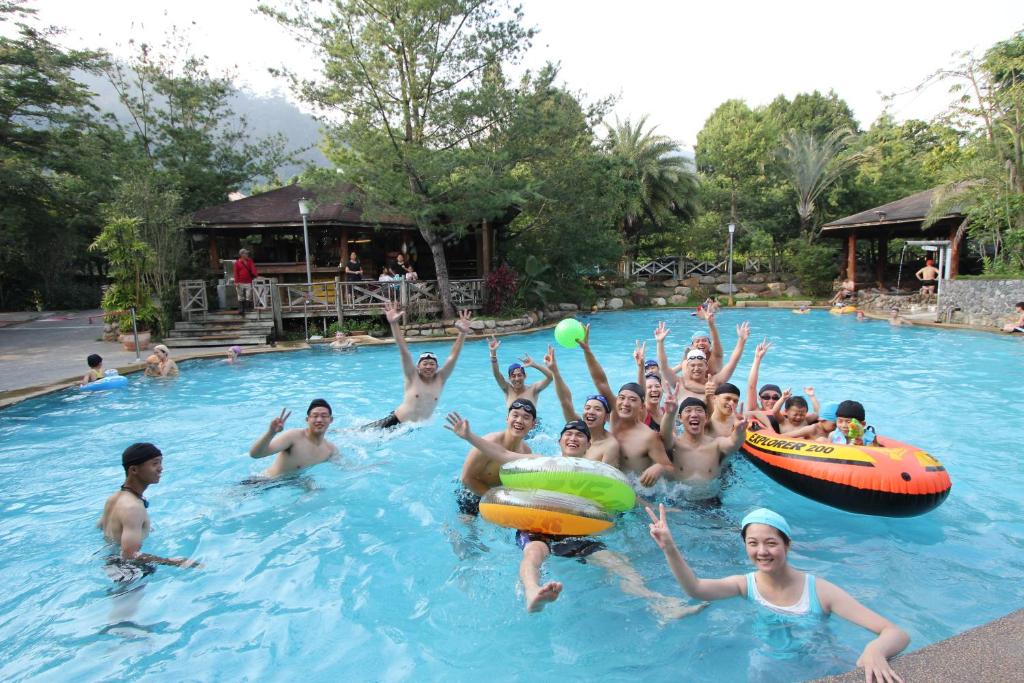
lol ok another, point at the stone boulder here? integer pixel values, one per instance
(682, 291)
(489, 324)
(568, 307)
(707, 279)
(752, 287)
(615, 303)
(792, 291)
(620, 292)
(726, 288)
(663, 291)
(639, 297)
(477, 325)
(601, 304)
(776, 288)
(658, 301)
(677, 299)
(746, 295)
(691, 282)
(671, 284)
(740, 277)
(758, 278)
(409, 332)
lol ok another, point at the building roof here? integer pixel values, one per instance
(280, 208)
(908, 212)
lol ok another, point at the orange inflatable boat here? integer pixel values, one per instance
(887, 478)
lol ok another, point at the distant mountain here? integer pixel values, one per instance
(265, 115)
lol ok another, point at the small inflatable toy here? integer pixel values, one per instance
(568, 332)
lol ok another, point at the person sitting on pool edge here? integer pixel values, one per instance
(125, 518)
(479, 473)
(515, 388)
(297, 448)
(423, 380)
(1018, 324)
(595, 413)
(573, 443)
(95, 363)
(846, 413)
(781, 594)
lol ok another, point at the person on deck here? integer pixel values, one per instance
(245, 272)
(928, 276)
(353, 268)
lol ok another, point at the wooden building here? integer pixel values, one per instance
(902, 219)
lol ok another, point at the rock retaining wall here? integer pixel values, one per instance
(677, 292)
(985, 303)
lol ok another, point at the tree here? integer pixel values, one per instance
(813, 164)
(418, 88)
(659, 181)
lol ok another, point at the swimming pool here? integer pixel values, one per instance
(362, 570)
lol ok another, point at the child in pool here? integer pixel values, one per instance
(233, 353)
(780, 592)
(850, 427)
(820, 430)
(795, 415)
(95, 373)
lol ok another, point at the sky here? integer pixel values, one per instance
(673, 61)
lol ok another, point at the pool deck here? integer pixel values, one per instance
(992, 653)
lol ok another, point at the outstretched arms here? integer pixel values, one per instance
(762, 349)
(494, 451)
(270, 442)
(742, 334)
(493, 345)
(695, 587)
(394, 313)
(462, 325)
(561, 388)
(597, 373)
(667, 371)
(530, 363)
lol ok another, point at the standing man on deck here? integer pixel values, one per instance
(423, 380)
(245, 272)
(297, 448)
(516, 388)
(125, 519)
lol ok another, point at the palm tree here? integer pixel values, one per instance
(660, 182)
(813, 164)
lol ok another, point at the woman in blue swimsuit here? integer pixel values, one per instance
(785, 596)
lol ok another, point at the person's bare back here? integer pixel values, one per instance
(122, 507)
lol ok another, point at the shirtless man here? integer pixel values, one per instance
(696, 455)
(297, 448)
(479, 473)
(723, 401)
(125, 520)
(515, 387)
(573, 442)
(696, 369)
(709, 342)
(928, 276)
(423, 380)
(596, 410)
(894, 317)
(168, 368)
(640, 449)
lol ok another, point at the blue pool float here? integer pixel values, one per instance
(111, 380)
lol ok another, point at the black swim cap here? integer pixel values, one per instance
(524, 404)
(94, 360)
(138, 453)
(727, 388)
(319, 403)
(851, 409)
(576, 426)
(634, 387)
(691, 401)
(767, 387)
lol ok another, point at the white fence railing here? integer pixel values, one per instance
(680, 268)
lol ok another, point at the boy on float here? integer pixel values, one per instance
(95, 363)
(846, 431)
(573, 443)
(297, 448)
(479, 473)
(697, 456)
(782, 595)
(795, 416)
(820, 430)
(516, 388)
(595, 413)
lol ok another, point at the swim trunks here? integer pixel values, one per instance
(562, 546)
(469, 502)
(387, 422)
(121, 570)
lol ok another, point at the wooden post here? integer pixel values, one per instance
(851, 256)
(954, 252)
(214, 254)
(883, 256)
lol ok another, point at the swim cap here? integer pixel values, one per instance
(727, 388)
(426, 355)
(602, 400)
(524, 404)
(691, 401)
(769, 387)
(651, 363)
(138, 453)
(237, 350)
(319, 403)
(828, 413)
(652, 375)
(769, 517)
(851, 409)
(515, 366)
(94, 360)
(576, 425)
(696, 354)
(634, 387)
(699, 335)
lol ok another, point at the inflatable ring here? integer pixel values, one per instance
(890, 479)
(108, 382)
(589, 479)
(840, 310)
(544, 512)
(799, 312)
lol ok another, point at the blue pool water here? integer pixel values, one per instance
(362, 570)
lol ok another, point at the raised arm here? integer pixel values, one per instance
(270, 442)
(597, 373)
(462, 325)
(695, 587)
(667, 371)
(727, 445)
(814, 404)
(717, 352)
(530, 363)
(762, 349)
(638, 356)
(742, 334)
(668, 419)
(493, 345)
(394, 313)
(488, 449)
(561, 388)
(777, 408)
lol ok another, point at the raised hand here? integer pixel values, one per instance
(585, 342)
(493, 343)
(661, 332)
(392, 311)
(462, 324)
(638, 352)
(809, 391)
(549, 358)
(785, 395)
(671, 403)
(277, 424)
(709, 388)
(741, 419)
(527, 361)
(659, 528)
(457, 424)
(743, 331)
(762, 349)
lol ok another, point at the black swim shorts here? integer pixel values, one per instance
(386, 422)
(121, 570)
(469, 502)
(562, 546)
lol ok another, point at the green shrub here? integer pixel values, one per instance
(814, 266)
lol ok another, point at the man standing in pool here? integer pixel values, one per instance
(696, 371)
(480, 473)
(596, 410)
(125, 518)
(297, 448)
(697, 455)
(573, 443)
(423, 380)
(516, 388)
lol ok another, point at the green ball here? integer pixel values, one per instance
(568, 332)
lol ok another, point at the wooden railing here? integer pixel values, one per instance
(193, 298)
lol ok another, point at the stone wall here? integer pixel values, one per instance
(880, 302)
(677, 292)
(985, 303)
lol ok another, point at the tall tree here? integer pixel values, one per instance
(418, 87)
(813, 164)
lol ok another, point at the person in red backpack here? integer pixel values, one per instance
(245, 271)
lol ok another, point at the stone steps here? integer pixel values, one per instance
(216, 340)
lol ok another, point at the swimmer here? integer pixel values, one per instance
(708, 342)
(640, 448)
(423, 380)
(95, 363)
(650, 379)
(723, 401)
(928, 276)
(846, 413)
(1018, 324)
(820, 430)
(233, 353)
(769, 393)
(342, 342)
(125, 518)
(795, 416)
(479, 473)
(168, 368)
(596, 411)
(781, 593)
(696, 368)
(895, 319)
(696, 455)
(861, 316)
(297, 448)
(516, 388)
(573, 443)
(152, 366)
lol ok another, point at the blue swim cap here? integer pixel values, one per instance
(828, 413)
(769, 517)
(699, 335)
(515, 366)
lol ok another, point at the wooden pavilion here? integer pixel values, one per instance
(903, 219)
